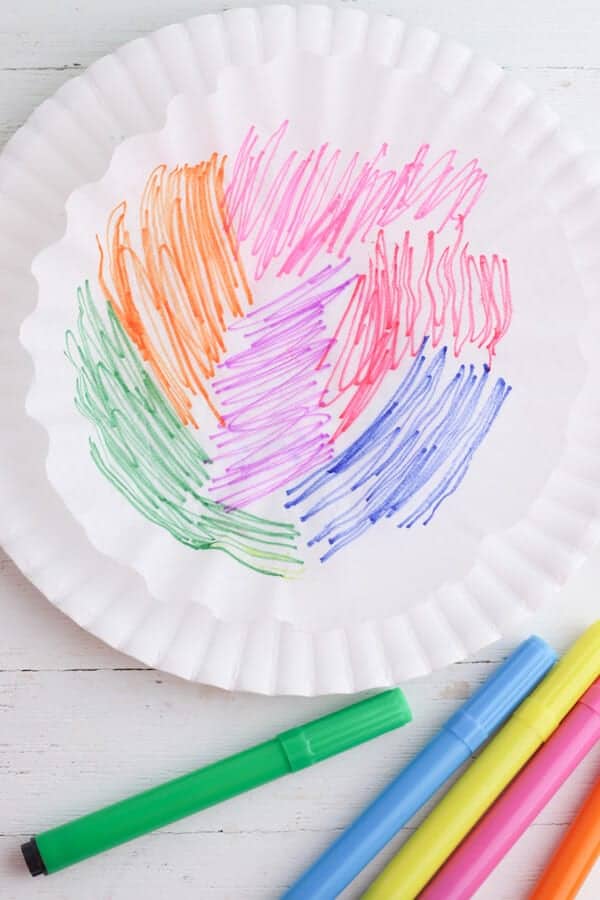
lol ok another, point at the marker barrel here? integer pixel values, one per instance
(461, 736)
(288, 752)
(520, 804)
(458, 812)
(575, 856)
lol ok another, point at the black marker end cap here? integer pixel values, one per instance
(33, 858)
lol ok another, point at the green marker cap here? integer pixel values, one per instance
(345, 728)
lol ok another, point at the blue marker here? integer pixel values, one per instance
(461, 736)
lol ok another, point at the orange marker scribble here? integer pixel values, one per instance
(176, 295)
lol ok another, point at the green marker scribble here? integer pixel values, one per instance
(152, 459)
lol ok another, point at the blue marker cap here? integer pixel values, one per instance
(496, 699)
(462, 735)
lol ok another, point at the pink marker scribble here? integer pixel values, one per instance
(293, 208)
(274, 430)
(451, 296)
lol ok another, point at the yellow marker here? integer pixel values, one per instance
(464, 804)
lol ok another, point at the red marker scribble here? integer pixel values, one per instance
(177, 288)
(451, 296)
(295, 207)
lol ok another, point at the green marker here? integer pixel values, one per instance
(288, 752)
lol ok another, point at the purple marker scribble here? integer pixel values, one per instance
(273, 428)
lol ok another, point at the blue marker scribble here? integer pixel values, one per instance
(410, 458)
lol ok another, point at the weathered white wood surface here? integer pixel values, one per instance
(81, 725)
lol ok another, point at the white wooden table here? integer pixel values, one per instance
(82, 725)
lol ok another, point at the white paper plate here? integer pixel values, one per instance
(394, 602)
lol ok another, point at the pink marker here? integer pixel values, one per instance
(518, 806)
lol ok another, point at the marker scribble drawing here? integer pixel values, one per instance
(143, 449)
(296, 207)
(412, 456)
(356, 388)
(177, 293)
(273, 426)
(450, 295)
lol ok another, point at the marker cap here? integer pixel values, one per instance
(557, 694)
(345, 728)
(496, 699)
